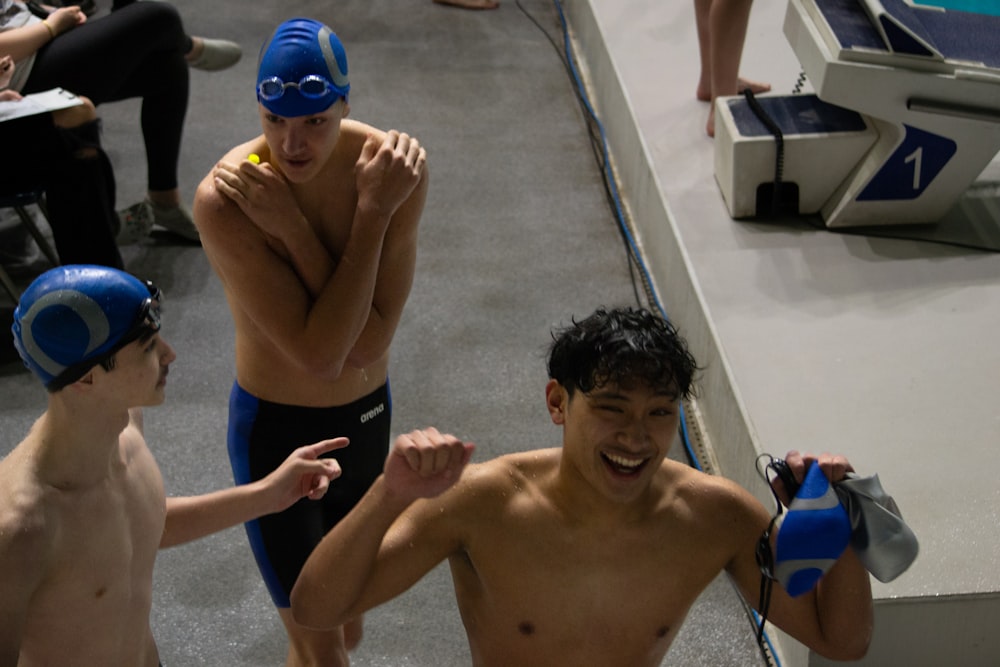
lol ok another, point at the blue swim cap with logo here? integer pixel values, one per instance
(72, 317)
(302, 69)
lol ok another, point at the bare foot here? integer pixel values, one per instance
(755, 87)
(704, 93)
(741, 85)
(470, 4)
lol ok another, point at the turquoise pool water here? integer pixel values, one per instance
(978, 6)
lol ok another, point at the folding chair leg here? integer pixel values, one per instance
(8, 285)
(36, 233)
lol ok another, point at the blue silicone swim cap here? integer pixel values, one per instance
(814, 534)
(299, 54)
(72, 317)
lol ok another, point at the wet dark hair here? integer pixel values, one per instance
(627, 347)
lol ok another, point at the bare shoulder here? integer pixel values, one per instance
(28, 525)
(351, 141)
(710, 499)
(493, 485)
(237, 154)
(132, 440)
(514, 469)
(209, 205)
(354, 133)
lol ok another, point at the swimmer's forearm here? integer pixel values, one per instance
(193, 517)
(321, 337)
(310, 258)
(340, 571)
(392, 289)
(373, 343)
(340, 313)
(844, 608)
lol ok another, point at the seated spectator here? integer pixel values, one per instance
(221, 53)
(139, 50)
(61, 153)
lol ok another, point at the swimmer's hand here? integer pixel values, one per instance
(262, 193)
(303, 475)
(834, 466)
(424, 464)
(387, 171)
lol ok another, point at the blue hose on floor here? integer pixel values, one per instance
(630, 240)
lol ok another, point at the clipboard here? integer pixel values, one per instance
(36, 103)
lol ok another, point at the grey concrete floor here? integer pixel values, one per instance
(516, 237)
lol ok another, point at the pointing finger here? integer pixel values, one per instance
(324, 446)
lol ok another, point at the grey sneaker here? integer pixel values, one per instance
(136, 223)
(217, 54)
(176, 219)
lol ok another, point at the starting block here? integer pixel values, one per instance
(905, 117)
(821, 144)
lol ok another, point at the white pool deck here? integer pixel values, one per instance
(884, 350)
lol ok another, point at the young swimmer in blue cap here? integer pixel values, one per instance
(74, 318)
(302, 69)
(82, 503)
(312, 230)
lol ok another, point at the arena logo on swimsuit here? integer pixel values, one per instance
(374, 412)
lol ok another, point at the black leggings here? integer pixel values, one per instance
(136, 51)
(78, 182)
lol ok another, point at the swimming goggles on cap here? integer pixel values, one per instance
(312, 86)
(147, 319)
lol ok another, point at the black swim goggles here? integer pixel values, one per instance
(772, 468)
(312, 86)
(147, 320)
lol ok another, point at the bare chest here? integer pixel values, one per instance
(330, 212)
(556, 592)
(100, 583)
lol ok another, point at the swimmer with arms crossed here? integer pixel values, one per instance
(315, 245)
